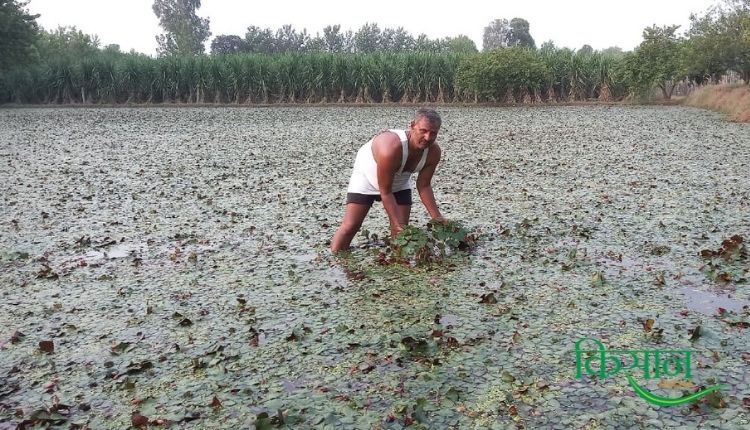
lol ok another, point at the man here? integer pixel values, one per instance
(382, 172)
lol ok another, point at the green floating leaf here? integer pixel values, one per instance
(507, 377)
(660, 250)
(122, 347)
(452, 394)
(13, 256)
(694, 333)
(597, 279)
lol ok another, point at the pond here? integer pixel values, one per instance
(169, 266)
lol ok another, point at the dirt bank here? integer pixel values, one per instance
(734, 100)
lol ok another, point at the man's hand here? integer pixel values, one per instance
(441, 220)
(396, 229)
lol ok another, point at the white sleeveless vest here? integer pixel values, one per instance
(364, 178)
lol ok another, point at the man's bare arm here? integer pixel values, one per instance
(386, 149)
(424, 182)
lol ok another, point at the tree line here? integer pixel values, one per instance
(186, 34)
(370, 65)
(368, 39)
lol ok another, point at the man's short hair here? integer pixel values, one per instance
(430, 114)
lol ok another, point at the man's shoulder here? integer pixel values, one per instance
(391, 134)
(386, 146)
(387, 139)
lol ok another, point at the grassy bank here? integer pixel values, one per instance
(734, 100)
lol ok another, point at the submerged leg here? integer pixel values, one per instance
(353, 216)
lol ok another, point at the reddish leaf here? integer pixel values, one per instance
(724, 278)
(47, 347)
(16, 337)
(138, 420)
(216, 403)
(452, 342)
(366, 368)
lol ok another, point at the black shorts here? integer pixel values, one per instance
(403, 198)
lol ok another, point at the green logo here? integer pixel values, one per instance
(654, 364)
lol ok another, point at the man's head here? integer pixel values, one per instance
(424, 128)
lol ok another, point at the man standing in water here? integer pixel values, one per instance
(382, 172)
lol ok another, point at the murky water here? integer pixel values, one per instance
(711, 303)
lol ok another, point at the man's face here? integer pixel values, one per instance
(423, 133)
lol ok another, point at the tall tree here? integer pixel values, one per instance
(398, 40)
(503, 34)
(519, 34)
(734, 24)
(586, 49)
(719, 41)
(349, 42)
(613, 51)
(66, 42)
(259, 40)
(185, 32)
(548, 46)
(227, 44)
(461, 44)
(368, 38)
(425, 44)
(656, 61)
(316, 44)
(705, 49)
(289, 40)
(495, 35)
(333, 40)
(18, 30)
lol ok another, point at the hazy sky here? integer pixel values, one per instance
(571, 23)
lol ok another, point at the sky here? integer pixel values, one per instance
(571, 23)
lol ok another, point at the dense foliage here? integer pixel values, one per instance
(367, 66)
(509, 75)
(503, 34)
(17, 32)
(368, 39)
(185, 32)
(418, 246)
(656, 62)
(719, 41)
